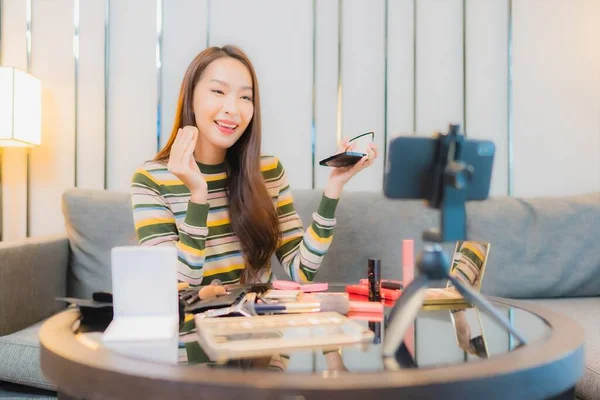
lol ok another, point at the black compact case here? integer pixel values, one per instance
(345, 159)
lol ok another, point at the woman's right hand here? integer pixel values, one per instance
(183, 165)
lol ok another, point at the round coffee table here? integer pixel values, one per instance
(449, 355)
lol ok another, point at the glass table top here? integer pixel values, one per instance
(440, 336)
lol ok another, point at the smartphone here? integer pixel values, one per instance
(411, 167)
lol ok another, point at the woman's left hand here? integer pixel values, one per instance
(340, 176)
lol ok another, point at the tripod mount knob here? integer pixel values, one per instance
(433, 262)
(458, 175)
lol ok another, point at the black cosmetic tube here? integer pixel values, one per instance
(374, 275)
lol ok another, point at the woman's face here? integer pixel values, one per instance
(223, 104)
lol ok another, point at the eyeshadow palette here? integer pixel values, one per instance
(241, 337)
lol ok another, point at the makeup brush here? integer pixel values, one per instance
(366, 307)
(338, 304)
(342, 298)
(333, 303)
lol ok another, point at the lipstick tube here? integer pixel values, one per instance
(408, 261)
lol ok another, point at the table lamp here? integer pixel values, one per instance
(20, 113)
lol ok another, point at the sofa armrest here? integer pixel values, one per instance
(33, 272)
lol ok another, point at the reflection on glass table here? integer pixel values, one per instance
(468, 264)
(438, 338)
(241, 337)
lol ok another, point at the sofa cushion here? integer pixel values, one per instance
(585, 312)
(368, 226)
(96, 221)
(20, 358)
(540, 247)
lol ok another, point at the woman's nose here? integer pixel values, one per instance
(230, 105)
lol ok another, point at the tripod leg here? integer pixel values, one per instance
(403, 314)
(475, 298)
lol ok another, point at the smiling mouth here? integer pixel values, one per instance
(231, 127)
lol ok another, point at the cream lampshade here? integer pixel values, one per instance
(20, 108)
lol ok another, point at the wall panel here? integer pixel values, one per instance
(363, 83)
(400, 70)
(439, 78)
(486, 84)
(184, 36)
(326, 85)
(132, 90)
(90, 99)
(556, 97)
(52, 165)
(281, 51)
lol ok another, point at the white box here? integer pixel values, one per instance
(145, 303)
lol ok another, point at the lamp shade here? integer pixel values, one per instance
(20, 108)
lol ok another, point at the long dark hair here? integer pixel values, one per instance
(252, 213)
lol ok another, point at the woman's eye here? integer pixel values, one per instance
(247, 98)
(217, 91)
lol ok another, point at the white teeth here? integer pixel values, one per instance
(226, 125)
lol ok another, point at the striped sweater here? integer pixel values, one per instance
(206, 244)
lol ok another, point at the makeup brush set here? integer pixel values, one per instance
(243, 302)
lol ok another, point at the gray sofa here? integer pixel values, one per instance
(545, 249)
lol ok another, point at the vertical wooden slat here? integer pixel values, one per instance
(281, 51)
(181, 19)
(90, 107)
(440, 64)
(363, 58)
(52, 164)
(326, 82)
(486, 86)
(132, 90)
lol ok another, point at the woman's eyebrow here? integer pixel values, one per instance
(226, 84)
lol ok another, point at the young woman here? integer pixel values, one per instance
(212, 195)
